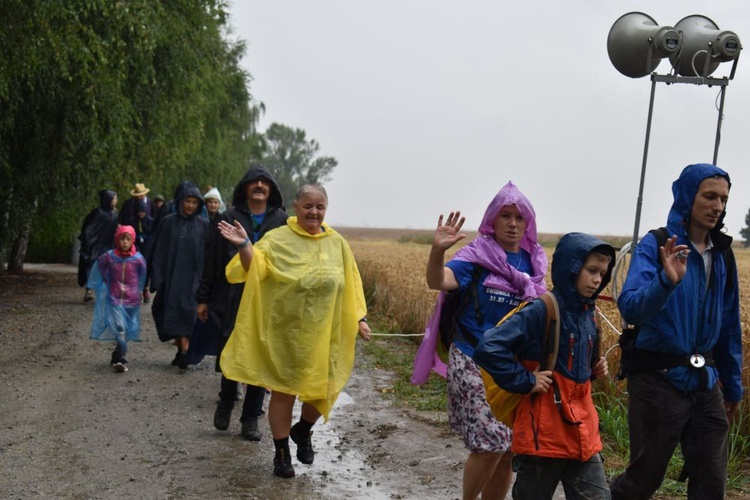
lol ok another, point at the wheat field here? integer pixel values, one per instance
(392, 266)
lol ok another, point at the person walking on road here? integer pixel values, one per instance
(97, 235)
(257, 206)
(302, 308)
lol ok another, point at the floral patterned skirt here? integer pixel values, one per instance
(469, 413)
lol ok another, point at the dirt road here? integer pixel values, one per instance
(72, 428)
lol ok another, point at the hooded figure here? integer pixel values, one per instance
(178, 248)
(673, 325)
(214, 194)
(223, 298)
(486, 252)
(219, 300)
(97, 233)
(560, 423)
(684, 366)
(118, 279)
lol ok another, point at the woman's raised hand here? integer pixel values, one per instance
(234, 234)
(446, 235)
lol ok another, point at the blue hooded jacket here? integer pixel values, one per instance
(509, 351)
(697, 315)
(519, 337)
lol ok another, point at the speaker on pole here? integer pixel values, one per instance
(636, 44)
(704, 47)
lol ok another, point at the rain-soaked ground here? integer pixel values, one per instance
(71, 428)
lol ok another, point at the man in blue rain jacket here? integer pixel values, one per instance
(684, 364)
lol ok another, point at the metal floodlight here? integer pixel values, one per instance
(695, 47)
(704, 47)
(636, 44)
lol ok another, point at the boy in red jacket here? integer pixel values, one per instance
(556, 427)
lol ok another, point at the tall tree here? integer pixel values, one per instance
(293, 160)
(745, 231)
(99, 94)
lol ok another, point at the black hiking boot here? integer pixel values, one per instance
(250, 429)
(282, 464)
(305, 453)
(223, 414)
(182, 361)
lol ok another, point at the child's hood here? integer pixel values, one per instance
(568, 259)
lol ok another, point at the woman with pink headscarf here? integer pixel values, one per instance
(507, 265)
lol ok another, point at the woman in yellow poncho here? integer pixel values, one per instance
(298, 320)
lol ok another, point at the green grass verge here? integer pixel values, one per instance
(396, 355)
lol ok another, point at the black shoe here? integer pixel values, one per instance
(250, 429)
(182, 362)
(122, 366)
(223, 414)
(118, 362)
(176, 360)
(305, 453)
(88, 296)
(282, 464)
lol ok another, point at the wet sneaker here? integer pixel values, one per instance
(305, 453)
(223, 414)
(121, 367)
(250, 429)
(88, 296)
(282, 464)
(118, 362)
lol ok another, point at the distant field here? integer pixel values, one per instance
(376, 233)
(425, 235)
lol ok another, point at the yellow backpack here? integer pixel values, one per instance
(502, 402)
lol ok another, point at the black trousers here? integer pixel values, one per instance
(252, 406)
(660, 416)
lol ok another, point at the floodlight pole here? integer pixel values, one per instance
(669, 79)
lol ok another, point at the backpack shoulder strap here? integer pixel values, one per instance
(476, 271)
(469, 295)
(661, 234)
(730, 264)
(551, 339)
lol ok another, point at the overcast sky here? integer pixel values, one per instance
(433, 105)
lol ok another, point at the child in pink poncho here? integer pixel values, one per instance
(118, 278)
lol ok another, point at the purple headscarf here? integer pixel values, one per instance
(486, 252)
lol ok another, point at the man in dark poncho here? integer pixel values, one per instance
(258, 206)
(97, 236)
(176, 264)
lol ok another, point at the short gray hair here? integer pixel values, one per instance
(307, 188)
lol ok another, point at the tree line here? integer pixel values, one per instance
(99, 94)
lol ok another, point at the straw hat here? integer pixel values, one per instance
(140, 190)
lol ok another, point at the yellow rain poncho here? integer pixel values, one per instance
(298, 319)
